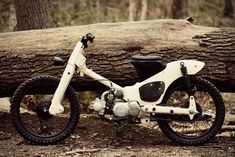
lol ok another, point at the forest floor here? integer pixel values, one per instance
(94, 137)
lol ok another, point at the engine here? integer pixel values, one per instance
(124, 109)
(112, 103)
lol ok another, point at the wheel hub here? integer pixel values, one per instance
(196, 116)
(42, 110)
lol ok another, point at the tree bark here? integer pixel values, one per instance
(30, 53)
(228, 9)
(144, 11)
(33, 14)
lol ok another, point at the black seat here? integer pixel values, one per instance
(147, 66)
(146, 58)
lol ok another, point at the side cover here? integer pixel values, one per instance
(152, 91)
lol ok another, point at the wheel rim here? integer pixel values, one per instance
(199, 126)
(34, 119)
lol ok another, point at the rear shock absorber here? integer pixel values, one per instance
(190, 88)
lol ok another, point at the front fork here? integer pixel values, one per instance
(56, 106)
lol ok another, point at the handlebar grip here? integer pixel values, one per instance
(86, 38)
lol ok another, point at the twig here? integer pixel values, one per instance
(225, 128)
(228, 128)
(81, 151)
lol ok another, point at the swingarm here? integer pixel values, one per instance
(190, 111)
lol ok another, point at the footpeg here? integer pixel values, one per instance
(58, 61)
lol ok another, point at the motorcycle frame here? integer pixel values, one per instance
(131, 93)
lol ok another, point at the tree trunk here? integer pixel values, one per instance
(228, 8)
(12, 16)
(30, 53)
(98, 11)
(4, 15)
(55, 12)
(33, 14)
(179, 8)
(132, 10)
(144, 10)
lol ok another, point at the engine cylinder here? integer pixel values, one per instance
(97, 105)
(134, 108)
(121, 109)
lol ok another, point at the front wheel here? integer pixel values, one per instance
(31, 118)
(205, 125)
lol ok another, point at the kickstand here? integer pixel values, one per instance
(119, 129)
(119, 134)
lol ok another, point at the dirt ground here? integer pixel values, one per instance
(94, 137)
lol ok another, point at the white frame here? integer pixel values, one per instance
(131, 93)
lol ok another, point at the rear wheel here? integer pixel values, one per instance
(31, 118)
(205, 125)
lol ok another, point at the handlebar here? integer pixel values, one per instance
(86, 38)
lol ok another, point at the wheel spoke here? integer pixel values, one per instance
(204, 125)
(194, 128)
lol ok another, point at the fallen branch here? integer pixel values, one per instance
(225, 128)
(81, 151)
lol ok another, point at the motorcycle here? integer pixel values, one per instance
(188, 109)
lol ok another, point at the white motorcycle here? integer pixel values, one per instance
(188, 109)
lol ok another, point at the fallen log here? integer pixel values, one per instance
(29, 53)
